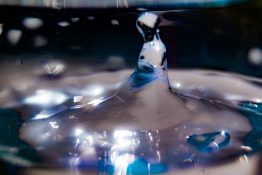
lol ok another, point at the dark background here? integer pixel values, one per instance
(218, 38)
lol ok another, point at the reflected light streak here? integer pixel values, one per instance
(244, 160)
(176, 85)
(158, 155)
(54, 125)
(90, 140)
(122, 133)
(78, 132)
(258, 100)
(78, 99)
(247, 148)
(93, 90)
(41, 116)
(123, 140)
(49, 112)
(122, 150)
(96, 102)
(121, 163)
(46, 98)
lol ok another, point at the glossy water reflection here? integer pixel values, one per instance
(133, 122)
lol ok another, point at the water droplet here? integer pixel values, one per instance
(90, 18)
(141, 9)
(63, 23)
(255, 56)
(147, 25)
(209, 142)
(76, 19)
(32, 23)
(40, 41)
(115, 22)
(14, 35)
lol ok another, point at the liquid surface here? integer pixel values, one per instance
(97, 126)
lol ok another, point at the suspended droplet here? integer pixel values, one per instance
(90, 18)
(14, 36)
(255, 56)
(32, 23)
(63, 23)
(40, 41)
(115, 22)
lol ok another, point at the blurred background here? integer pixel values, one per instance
(223, 35)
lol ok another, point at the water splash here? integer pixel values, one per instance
(135, 125)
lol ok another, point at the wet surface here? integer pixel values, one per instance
(114, 131)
